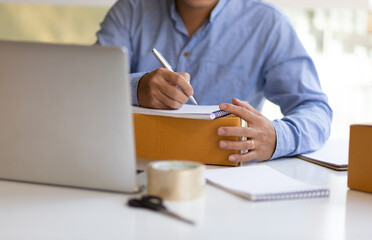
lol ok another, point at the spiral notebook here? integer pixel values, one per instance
(186, 111)
(262, 183)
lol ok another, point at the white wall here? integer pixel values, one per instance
(65, 2)
(310, 4)
(282, 3)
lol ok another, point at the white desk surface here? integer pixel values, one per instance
(31, 211)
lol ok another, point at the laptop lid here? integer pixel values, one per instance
(66, 116)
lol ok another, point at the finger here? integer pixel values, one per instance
(237, 132)
(157, 104)
(173, 93)
(168, 88)
(155, 91)
(236, 145)
(170, 83)
(170, 102)
(245, 104)
(180, 80)
(239, 111)
(186, 76)
(251, 155)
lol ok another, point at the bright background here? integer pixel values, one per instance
(336, 33)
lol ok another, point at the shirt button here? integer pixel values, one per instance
(186, 54)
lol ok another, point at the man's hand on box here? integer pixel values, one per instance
(260, 133)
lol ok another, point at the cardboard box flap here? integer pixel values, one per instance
(363, 124)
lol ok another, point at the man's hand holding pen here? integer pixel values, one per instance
(159, 89)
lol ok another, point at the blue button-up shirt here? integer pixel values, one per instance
(246, 49)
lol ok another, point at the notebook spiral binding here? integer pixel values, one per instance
(218, 114)
(291, 195)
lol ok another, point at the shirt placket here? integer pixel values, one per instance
(185, 54)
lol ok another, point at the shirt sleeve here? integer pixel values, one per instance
(116, 31)
(291, 81)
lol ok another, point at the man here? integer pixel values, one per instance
(243, 49)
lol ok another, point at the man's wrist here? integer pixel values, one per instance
(285, 145)
(134, 81)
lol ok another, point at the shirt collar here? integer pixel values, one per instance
(176, 17)
(216, 10)
(172, 9)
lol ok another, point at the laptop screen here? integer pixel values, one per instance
(66, 116)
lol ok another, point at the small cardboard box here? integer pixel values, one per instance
(360, 157)
(168, 138)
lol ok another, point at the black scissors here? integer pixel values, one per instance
(155, 204)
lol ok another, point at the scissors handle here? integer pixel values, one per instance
(156, 204)
(149, 202)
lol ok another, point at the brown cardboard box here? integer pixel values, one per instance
(369, 23)
(168, 138)
(360, 157)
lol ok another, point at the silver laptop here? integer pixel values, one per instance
(65, 116)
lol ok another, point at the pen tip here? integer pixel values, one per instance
(193, 100)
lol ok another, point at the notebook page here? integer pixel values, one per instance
(257, 180)
(186, 111)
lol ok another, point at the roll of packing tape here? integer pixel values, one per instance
(175, 180)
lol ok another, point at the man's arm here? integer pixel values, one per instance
(116, 31)
(307, 117)
(290, 81)
(157, 89)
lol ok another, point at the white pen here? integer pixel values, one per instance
(166, 65)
